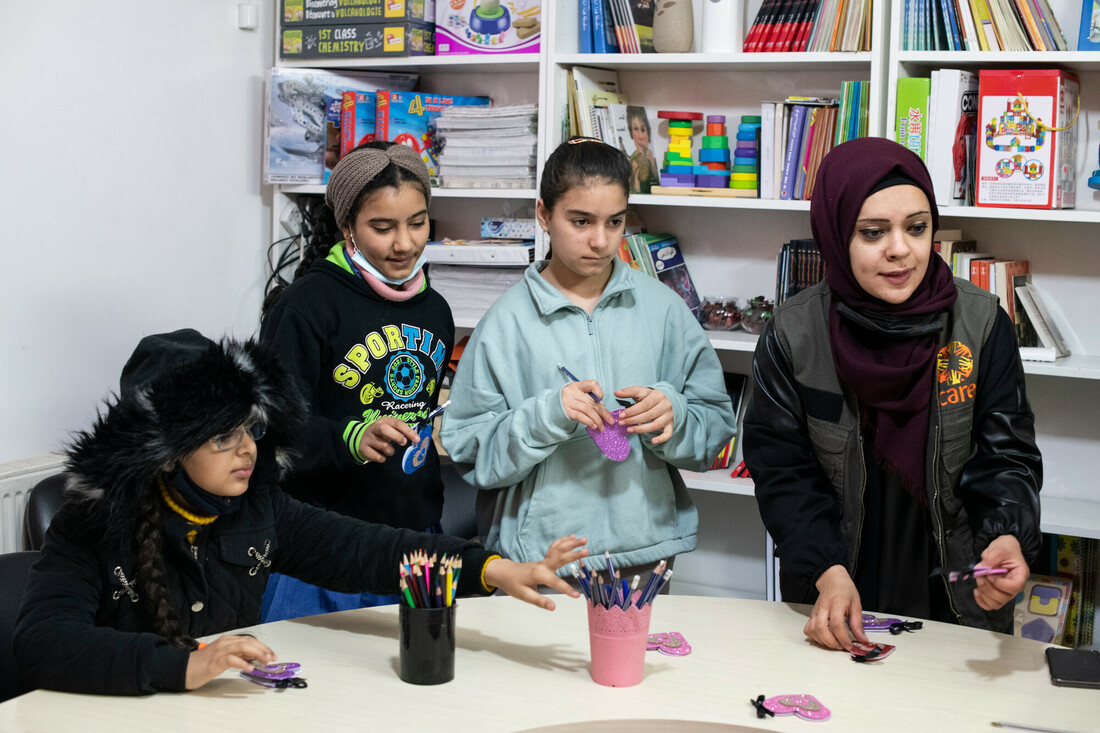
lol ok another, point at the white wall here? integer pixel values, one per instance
(131, 197)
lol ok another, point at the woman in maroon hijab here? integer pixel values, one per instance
(889, 434)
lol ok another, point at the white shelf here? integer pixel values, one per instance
(1078, 60)
(437, 192)
(1070, 516)
(718, 481)
(1084, 216)
(423, 64)
(733, 340)
(718, 202)
(1073, 366)
(716, 61)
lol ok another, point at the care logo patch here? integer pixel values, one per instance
(404, 376)
(954, 366)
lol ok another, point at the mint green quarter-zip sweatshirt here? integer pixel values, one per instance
(508, 433)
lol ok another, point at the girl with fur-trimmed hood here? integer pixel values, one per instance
(174, 522)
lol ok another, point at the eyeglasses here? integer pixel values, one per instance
(234, 438)
(575, 140)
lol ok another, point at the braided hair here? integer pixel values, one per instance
(327, 231)
(149, 571)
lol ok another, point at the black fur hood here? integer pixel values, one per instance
(177, 391)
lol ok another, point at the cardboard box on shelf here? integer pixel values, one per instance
(487, 26)
(1027, 138)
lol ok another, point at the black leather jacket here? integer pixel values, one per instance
(803, 448)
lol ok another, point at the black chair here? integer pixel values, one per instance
(15, 568)
(45, 499)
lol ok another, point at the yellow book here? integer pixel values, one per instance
(987, 32)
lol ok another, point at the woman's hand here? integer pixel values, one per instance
(579, 405)
(521, 580)
(994, 591)
(837, 611)
(378, 440)
(650, 413)
(224, 652)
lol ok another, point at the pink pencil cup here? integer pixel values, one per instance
(617, 640)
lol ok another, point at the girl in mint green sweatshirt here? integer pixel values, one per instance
(516, 424)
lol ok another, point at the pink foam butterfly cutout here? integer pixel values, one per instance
(671, 643)
(806, 707)
(614, 441)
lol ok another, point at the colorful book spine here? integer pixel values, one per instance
(584, 10)
(603, 37)
(794, 147)
(912, 113)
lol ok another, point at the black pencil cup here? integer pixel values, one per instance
(427, 640)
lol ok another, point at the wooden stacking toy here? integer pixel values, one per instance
(679, 169)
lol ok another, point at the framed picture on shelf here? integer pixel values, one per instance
(1088, 38)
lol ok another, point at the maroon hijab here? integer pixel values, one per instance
(885, 353)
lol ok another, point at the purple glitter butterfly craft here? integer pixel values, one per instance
(277, 674)
(614, 441)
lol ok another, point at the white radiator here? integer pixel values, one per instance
(17, 478)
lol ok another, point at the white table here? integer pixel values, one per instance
(519, 668)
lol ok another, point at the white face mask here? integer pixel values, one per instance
(362, 261)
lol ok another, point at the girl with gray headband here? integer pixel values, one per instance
(367, 340)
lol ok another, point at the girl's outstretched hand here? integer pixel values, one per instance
(521, 580)
(212, 659)
(378, 440)
(650, 413)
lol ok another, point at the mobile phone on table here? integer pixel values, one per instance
(1074, 667)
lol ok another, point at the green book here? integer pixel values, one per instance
(912, 113)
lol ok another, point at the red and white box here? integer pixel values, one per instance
(1024, 160)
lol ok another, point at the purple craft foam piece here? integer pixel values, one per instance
(614, 441)
(274, 671)
(715, 119)
(878, 623)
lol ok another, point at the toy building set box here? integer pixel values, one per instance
(1027, 138)
(405, 117)
(487, 26)
(328, 12)
(353, 29)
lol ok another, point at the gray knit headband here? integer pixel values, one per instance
(359, 167)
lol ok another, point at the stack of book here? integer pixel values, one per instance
(1037, 334)
(659, 256)
(981, 25)
(798, 266)
(615, 26)
(795, 135)
(810, 25)
(487, 147)
(816, 129)
(472, 273)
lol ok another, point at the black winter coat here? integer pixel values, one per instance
(80, 631)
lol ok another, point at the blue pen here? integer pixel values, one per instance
(569, 374)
